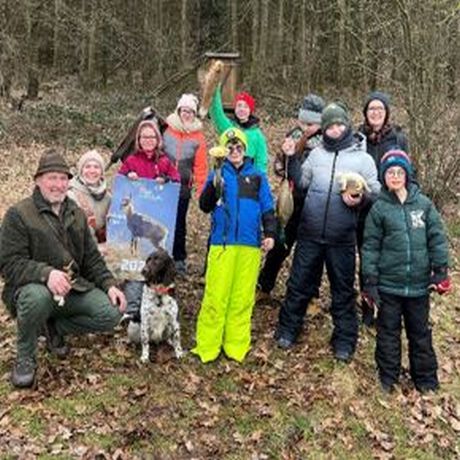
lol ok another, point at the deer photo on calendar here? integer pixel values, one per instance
(141, 219)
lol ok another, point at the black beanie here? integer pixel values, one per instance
(384, 98)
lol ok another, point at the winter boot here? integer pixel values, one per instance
(23, 374)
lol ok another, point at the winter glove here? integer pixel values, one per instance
(440, 281)
(370, 293)
(208, 198)
(444, 287)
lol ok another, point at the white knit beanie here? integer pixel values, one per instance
(188, 101)
(91, 155)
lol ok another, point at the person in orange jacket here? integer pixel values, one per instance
(185, 145)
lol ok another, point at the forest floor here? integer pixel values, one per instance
(103, 403)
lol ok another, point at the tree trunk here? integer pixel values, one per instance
(364, 64)
(341, 6)
(184, 31)
(263, 32)
(104, 54)
(148, 39)
(254, 36)
(454, 58)
(302, 39)
(32, 47)
(56, 35)
(92, 31)
(279, 34)
(291, 51)
(159, 35)
(5, 73)
(83, 44)
(233, 6)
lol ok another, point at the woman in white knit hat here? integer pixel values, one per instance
(185, 145)
(88, 189)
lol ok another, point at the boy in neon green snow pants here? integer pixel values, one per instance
(239, 212)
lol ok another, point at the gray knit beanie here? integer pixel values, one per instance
(311, 109)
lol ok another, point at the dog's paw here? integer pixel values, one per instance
(180, 354)
(144, 359)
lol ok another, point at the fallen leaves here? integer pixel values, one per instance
(102, 404)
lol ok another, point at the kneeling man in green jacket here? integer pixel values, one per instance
(56, 281)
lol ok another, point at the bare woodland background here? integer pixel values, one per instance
(341, 48)
(75, 73)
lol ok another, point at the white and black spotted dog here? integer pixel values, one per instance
(158, 320)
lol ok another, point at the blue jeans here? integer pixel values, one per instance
(304, 280)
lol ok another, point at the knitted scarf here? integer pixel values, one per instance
(375, 137)
(97, 191)
(176, 123)
(342, 142)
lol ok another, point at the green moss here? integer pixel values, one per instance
(32, 422)
(453, 228)
(226, 384)
(102, 441)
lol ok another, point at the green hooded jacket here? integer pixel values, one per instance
(257, 144)
(35, 241)
(403, 243)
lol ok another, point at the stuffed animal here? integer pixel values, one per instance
(352, 183)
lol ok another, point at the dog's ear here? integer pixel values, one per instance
(169, 273)
(146, 268)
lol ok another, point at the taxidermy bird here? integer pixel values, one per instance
(211, 80)
(284, 202)
(218, 155)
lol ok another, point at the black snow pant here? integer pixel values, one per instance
(303, 284)
(422, 358)
(180, 235)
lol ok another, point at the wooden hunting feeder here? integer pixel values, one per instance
(230, 82)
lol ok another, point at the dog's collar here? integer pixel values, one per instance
(160, 289)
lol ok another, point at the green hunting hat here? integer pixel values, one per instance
(52, 161)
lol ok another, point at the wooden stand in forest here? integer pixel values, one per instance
(230, 74)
